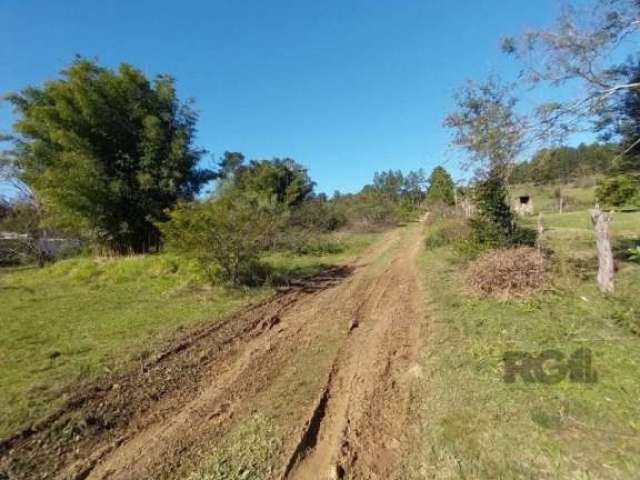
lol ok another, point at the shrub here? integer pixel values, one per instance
(619, 191)
(494, 225)
(508, 273)
(227, 235)
(368, 213)
(446, 232)
(320, 247)
(317, 215)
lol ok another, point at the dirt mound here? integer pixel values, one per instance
(508, 273)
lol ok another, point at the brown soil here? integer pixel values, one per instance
(331, 359)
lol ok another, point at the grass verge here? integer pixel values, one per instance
(77, 319)
(472, 424)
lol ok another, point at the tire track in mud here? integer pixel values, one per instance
(152, 422)
(357, 428)
(106, 417)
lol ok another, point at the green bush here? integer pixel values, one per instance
(446, 232)
(619, 191)
(227, 235)
(317, 215)
(321, 247)
(494, 224)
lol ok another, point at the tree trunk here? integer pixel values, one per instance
(606, 266)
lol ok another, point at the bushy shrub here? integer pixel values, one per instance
(619, 191)
(508, 273)
(494, 224)
(449, 231)
(317, 215)
(367, 212)
(227, 235)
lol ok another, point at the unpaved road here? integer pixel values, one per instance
(330, 360)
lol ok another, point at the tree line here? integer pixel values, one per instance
(564, 164)
(109, 156)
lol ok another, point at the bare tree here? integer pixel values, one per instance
(487, 126)
(578, 49)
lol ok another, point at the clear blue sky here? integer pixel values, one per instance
(346, 87)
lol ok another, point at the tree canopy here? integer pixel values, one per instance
(282, 180)
(441, 187)
(566, 163)
(486, 125)
(107, 151)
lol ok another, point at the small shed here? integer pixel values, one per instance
(524, 205)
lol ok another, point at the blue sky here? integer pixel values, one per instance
(346, 87)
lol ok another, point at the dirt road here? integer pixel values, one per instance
(330, 361)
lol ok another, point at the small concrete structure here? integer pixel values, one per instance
(524, 205)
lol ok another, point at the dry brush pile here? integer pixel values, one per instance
(508, 273)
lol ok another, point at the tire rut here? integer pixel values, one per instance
(357, 429)
(155, 421)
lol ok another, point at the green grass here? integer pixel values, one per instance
(623, 223)
(471, 424)
(577, 196)
(287, 265)
(79, 318)
(246, 453)
(570, 234)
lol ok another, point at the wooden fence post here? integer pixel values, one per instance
(540, 231)
(606, 265)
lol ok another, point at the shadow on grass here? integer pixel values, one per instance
(621, 248)
(19, 288)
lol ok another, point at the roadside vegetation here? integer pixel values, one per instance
(534, 341)
(72, 321)
(475, 425)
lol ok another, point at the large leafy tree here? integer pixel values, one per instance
(107, 151)
(441, 187)
(283, 180)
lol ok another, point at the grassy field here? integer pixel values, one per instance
(577, 196)
(472, 424)
(74, 320)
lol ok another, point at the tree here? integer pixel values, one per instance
(487, 126)
(565, 163)
(577, 50)
(389, 184)
(494, 224)
(441, 187)
(414, 183)
(623, 121)
(283, 180)
(107, 152)
(619, 191)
